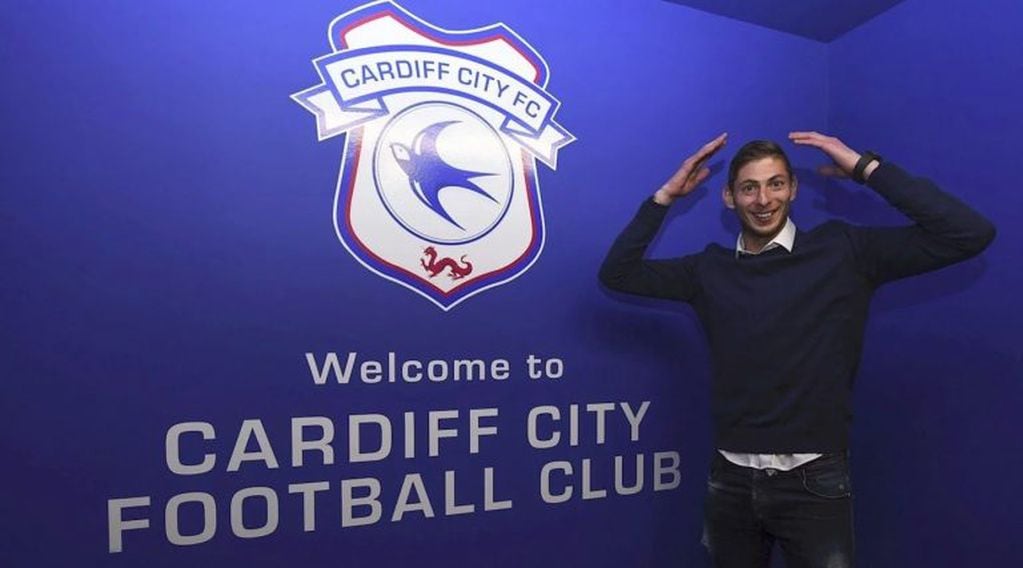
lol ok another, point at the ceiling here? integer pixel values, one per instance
(822, 20)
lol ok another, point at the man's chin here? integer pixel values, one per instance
(761, 232)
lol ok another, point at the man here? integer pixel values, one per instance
(784, 312)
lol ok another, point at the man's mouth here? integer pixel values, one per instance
(763, 218)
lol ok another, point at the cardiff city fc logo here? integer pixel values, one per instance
(438, 188)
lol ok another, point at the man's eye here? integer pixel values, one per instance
(777, 183)
(749, 189)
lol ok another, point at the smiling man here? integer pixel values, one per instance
(784, 311)
(762, 195)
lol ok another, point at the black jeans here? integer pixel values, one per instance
(808, 510)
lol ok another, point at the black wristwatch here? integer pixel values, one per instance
(861, 165)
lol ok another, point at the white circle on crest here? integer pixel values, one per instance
(443, 173)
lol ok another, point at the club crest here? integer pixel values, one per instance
(438, 188)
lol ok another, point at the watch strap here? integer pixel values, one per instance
(861, 165)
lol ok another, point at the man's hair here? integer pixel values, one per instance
(753, 151)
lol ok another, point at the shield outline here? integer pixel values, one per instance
(337, 31)
(394, 273)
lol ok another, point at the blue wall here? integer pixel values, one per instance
(169, 256)
(936, 86)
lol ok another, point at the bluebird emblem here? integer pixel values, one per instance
(428, 173)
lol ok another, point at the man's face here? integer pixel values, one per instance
(761, 196)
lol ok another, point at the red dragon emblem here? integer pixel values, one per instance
(435, 267)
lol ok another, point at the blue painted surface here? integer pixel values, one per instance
(169, 255)
(936, 86)
(822, 20)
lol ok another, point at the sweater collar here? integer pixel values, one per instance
(785, 238)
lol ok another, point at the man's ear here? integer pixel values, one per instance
(795, 186)
(727, 197)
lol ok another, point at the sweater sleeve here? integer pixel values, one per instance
(945, 229)
(625, 270)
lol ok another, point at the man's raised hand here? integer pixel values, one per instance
(843, 157)
(690, 174)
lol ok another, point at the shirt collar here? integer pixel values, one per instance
(785, 238)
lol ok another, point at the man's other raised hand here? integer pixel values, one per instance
(843, 157)
(690, 174)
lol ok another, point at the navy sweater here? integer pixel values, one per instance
(786, 329)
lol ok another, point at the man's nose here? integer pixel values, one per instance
(762, 196)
